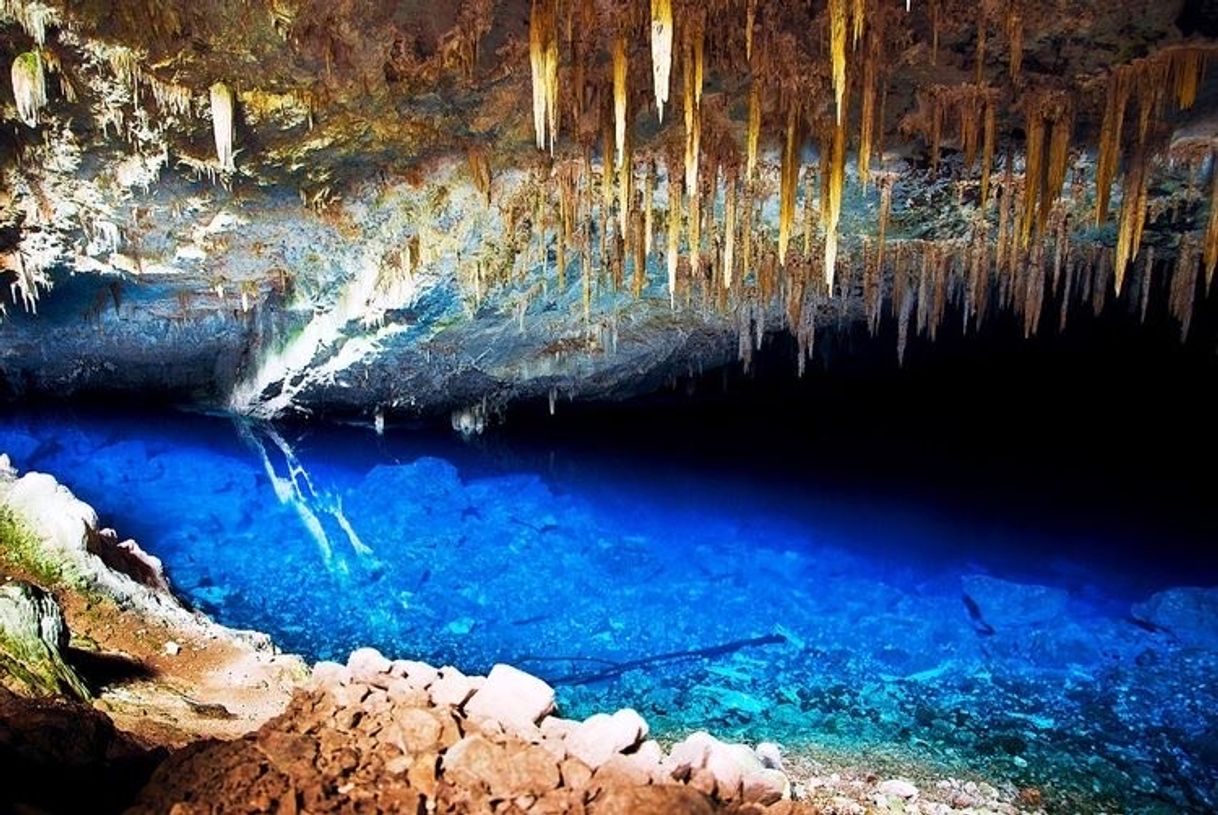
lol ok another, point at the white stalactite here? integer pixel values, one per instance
(661, 51)
(29, 86)
(222, 125)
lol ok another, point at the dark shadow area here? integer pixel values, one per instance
(100, 670)
(64, 757)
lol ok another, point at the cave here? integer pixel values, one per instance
(608, 406)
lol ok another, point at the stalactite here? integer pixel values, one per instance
(649, 182)
(837, 48)
(625, 179)
(1147, 279)
(809, 210)
(936, 132)
(1211, 230)
(746, 233)
(1059, 157)
(885, 212)
(833, 200)
(639, 255)
(1133, 217)
(788, 182)
(1108, 161)
(674, 234)
(934, 32)
(29, 86)
(729, 229)
(987, 149)
(693, 122)
(568, 203)
(754, 131)
(1033, 169)
(1184, 285)
(1034, 291)
(1015, 39)
(858, 19)
(867, 115)
(585, 266)
(543, 60)
(222, 124)
(619, 99)
(480, 170)
(661, 51)
(1002, 242)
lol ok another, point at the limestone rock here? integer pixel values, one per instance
(1003, 604)
(418, 675)
(766, 786)
(899, 788)
(1188, 614)
(504, 772)
(513, 698)
(33, 637)
(651, 800)
(451, 688)
(367, 664)
(597, 739)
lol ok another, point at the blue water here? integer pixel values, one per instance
(831, 617)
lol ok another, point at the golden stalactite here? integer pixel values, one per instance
(1211, 230)
(674, 233)
(1187, 70)
(1034, 168)
(661, 51)
(753, 140)
(698, 33)
(729, 230)
(867, 115)
(858, 21)
(543, 59)
(1059, 157)
(832, 207)
(1133, 216)
(1109, 157)
(788, 183)
(694, 223)
(1015, 40)
(837, 50)
(1182, 296)
(480, 170)
(746, 233)
(693, 119)
(568, 175)
(935, 19)
(988, 146)
(619, 99)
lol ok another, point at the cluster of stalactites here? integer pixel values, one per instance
(543, 59)
(1173, 74)
(222, 125)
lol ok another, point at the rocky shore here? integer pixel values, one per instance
(151, 706)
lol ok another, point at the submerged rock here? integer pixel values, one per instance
(1002, 604)
(1188, 614)
(33, 637)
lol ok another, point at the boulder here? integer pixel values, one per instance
(1002, 604)
(770, 755)
(418, 674)
(899, 788)
(331, 675)
(1188, 614)
(600, 737)
(766, 786)
(651, 800)
(515, 699)
(33, 637)
(451, 688)
(366, 664)
(505, 771)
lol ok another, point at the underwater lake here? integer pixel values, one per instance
(837, 615)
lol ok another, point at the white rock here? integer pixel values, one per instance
(417, 674)
(898, 787)
(367, 663)
(172, 648)
(513, 698)
(691, 753)
(600, 737)
(331, 675)
(767, 786)
(451, 688)
(770, 755)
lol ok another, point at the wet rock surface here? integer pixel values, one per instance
(33, 639)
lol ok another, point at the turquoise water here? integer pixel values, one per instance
(797, 612)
